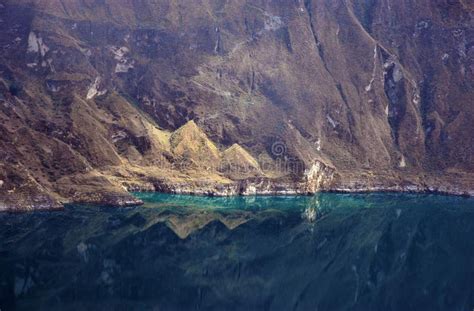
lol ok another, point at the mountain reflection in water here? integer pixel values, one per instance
(326, 252)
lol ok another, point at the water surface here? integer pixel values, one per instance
(327, 252)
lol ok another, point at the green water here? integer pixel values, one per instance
(331, 201)
(325, 252)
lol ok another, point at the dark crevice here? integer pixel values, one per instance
(309, 6)
(218, 49)
(350, 117)
(426, 94)
(252, 82)
(341, 93)
(396, 94)
(427, 91)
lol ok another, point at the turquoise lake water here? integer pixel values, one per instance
(324, 252)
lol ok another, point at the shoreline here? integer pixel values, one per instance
(289, 192)
(335, 190)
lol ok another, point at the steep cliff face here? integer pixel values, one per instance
(379, 93)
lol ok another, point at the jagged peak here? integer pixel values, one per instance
(191, 138)
(235, 148)
(238, 153)
(189, 125)
(189, 128)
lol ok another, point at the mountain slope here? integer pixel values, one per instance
(381, 93)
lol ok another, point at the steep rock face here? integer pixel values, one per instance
(380, 92)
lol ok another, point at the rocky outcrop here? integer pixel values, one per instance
(318, 178)
(246, 187)
(453, 184)
(28, 202)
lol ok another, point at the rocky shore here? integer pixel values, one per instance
(254, 187)
(282, 188)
